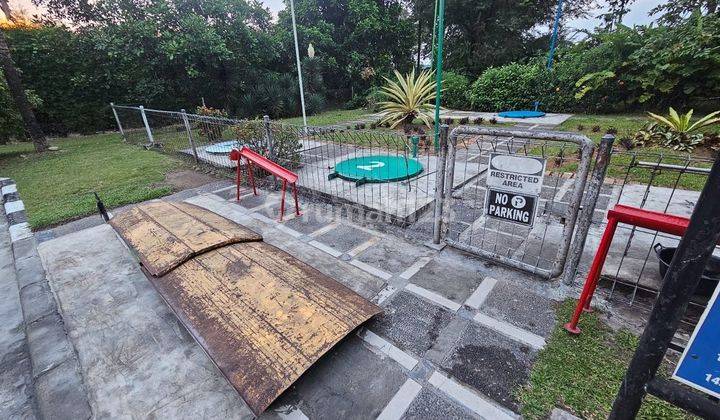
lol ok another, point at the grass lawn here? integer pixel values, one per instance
(57, 186)
(329, 117)
(595, 126)
(583, 373)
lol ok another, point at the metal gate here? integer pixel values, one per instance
(540, 246)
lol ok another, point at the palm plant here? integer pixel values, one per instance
(679, 132)
(681, 123)
(408, 97)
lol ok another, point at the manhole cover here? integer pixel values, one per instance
(377, 168)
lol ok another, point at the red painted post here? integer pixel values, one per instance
(593, 275)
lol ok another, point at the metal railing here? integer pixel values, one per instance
(312, 152)
(655, 180)
(539, 249)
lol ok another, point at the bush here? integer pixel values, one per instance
(373, 99)
(513, 86)
(455, 93)
(314, 103)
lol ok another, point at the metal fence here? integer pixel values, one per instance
(541, 248)
(656, 180)
(312, 152)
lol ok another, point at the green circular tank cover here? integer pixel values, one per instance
(378, 168)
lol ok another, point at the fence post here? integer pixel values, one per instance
(448, 182)
(147, 126)
(679, 283)
(440, 183)
(602, 161)
(189, 134)
(268, 137)
(117, 120)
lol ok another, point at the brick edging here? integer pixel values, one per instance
(59, 388)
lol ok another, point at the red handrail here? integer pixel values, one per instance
(649, 219)
(254, 158)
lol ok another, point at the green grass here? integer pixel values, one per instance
(623, 123)
(628, 124)
(57, 186)
(583, 373)
(329, 117)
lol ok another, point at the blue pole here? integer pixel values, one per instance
(553, 39)
(438, 68)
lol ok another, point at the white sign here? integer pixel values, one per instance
(516, 174)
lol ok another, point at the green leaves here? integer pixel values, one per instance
(408, 97)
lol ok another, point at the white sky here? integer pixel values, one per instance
(637, 15)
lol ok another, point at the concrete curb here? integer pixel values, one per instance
(59, 388)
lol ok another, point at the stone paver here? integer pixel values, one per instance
(411, 322)
(344, 238)
(451, 275)
(429, 406)
(393, 256)
(521, 308)
(490, 363)
(16, 388)
(136, 359)
(350, 382)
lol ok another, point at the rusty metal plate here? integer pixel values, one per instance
(262, 316)
(165, 234)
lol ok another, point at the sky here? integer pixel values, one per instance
(637, 15)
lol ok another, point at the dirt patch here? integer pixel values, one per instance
(186, 179)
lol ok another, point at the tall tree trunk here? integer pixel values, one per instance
(18, 94)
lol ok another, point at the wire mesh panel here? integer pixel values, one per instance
(394, 173)
(539, 246)
(654, 180)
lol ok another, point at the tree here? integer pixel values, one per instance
(15, 86)
(616, 10)
(485, 33)
(675, 11)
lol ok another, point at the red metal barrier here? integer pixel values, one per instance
(662, 222)
(254, 158)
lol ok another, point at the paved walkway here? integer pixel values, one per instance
(457, 338)
(16, 391)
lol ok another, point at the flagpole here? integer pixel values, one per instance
(297, 59)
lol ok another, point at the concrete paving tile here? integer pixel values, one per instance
(350, 382)
(520, 307)
(451, 275)
(309, 222)
(344, 238)
(253, 201)
(393, 256)
(412, 323)
(491, 363)
(429, 406)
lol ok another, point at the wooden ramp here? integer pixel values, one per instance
(261, 315)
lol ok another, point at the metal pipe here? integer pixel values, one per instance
(189, 134)
(680, 396)
(448, 184)
(117, 120)
(297, 59)
(147, 126)
(681, 168)
(681, 279)
(571, 215)
(440, 184)
(438, 69)
(268, 137)
(602, 161)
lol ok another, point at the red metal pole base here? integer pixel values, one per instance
(572, 329)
